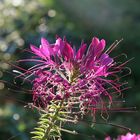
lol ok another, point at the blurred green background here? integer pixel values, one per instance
(24, 22)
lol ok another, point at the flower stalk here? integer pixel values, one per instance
(53, 120)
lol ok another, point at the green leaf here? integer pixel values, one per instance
(37, 137)
(38, 133)
(54, 133)
(39, 129)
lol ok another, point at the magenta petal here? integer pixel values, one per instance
(45, 51)
(36, 51)
(100, 71)
(103, 56)
(59, 45)
(59, 42)
(54, 50)
(90, 64)
(95, 41)
(34, 48)
(108, 138)
(102, 44)
(81, 51)
(128, 136)
(44, 42)
(67, 51)
(106, 60)
(138, 137)
(99, 48)
(45, 48)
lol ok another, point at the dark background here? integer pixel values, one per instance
(24, 22)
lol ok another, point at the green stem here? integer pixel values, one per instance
(46, 136)
(69, 131)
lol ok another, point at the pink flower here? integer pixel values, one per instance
(128, 136)
(62, 72)
(138, 137)
(108, 138)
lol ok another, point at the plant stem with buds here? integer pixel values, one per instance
(47, 136)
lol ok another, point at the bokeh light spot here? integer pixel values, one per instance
(2, 85)
(16, 116)
(6, 56)
(17, 2)
(1, 74)
(51, 13)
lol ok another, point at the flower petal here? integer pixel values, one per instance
(81, 51)
(67, 51)
(45, 51)
(94, 43)
(99, 48)
(59, 46)
(44, 42)
(36, 51)
(106, 60)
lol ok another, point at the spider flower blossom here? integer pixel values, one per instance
(87, 76)
(128, 136)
